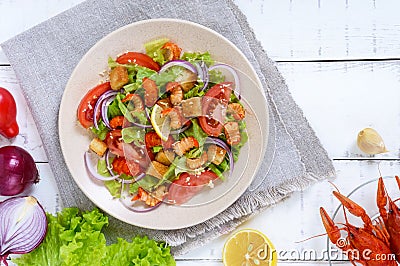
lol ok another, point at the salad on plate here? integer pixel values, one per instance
(166, 124)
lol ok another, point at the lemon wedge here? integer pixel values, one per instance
(160, 122)
(249, 247)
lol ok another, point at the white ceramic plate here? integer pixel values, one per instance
(190, 37)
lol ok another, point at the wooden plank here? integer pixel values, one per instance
(341, 98)
(288, 30)
(19, 15)
(314, 29)
(28, 137)
(297, 217)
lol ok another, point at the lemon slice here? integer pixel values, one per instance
(160, 122)
(249, 247)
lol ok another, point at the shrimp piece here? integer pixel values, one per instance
(136, 100)
(196, 163)
(165, 103)
(117, 122)
(176, 96)
(184, 145)
(175, 114)
(237, 110)
(216, 154)
(171, 51)
(232, 133)
(150, 92)
(151, 198)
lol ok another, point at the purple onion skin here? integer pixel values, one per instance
(34, 230)
(17, 170)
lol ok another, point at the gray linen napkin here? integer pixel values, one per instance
(43, 59)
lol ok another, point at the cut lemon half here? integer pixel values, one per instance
(160, 122)
(249, 247)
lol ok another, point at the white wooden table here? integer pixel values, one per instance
(341, 61)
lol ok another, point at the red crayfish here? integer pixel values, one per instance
(376, 243)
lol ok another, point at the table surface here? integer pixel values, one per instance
(341, 62)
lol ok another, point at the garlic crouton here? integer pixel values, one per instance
(157, 169)
(192, 107)
(165, 157)
(118, 77)
(98, 146)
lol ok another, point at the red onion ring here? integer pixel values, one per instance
(236, 90)
(104, 110)
(222, 144)
(99, 103)
(206, 76)
(93, 172)
(141, 125)
(23, 226)
(147, 113)
(182, 63)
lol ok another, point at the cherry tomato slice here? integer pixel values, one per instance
(187, 186)
(222, 92)
(139, 59)
(86, 106)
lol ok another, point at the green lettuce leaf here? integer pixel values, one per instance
(153, 49)
(133, 134)
(141, 251)
(113, 110)
(197, 132)
(101, 133)
(75, 238)
(195, 57)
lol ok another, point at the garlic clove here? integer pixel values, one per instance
(370, 142)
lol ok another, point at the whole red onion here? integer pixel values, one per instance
(17, 170)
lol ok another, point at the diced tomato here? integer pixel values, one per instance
(222, 92)
(151, 139)
(117, 121)
(122, 166)
(85, 110)
(139, 59)
(187, 186)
